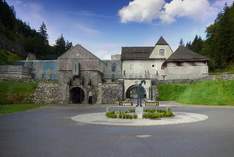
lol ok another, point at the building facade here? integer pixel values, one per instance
(79, 72)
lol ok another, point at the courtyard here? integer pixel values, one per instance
(50, 132)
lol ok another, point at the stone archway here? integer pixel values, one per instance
(77, 95)
(132, 92)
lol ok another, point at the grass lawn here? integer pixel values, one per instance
(7, 57)
(217, 92)
(14, 92)
(12, 108)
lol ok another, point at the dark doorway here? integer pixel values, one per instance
(132, 92)
(77, 95)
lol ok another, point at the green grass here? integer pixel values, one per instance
(12, 108)
(217, 92)
(15, 92)
(7, 57)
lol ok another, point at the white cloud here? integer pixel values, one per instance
(197, 9)
(141, 10)
(168, 12)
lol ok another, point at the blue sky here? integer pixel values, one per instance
(104, 26)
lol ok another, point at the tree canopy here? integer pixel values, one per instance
(219, 42)
(18, 37)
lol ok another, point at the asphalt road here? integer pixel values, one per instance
(49, 132)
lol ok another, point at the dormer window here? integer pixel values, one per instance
(161, 52)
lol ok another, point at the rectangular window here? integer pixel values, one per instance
(161, 52)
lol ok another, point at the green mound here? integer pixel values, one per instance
(14, 92)
(217, 92)
(7, 57)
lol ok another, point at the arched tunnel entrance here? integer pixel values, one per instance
(77, 95)
(132, 92)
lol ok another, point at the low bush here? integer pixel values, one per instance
(121, 115)
(148, 114)
(155, 114)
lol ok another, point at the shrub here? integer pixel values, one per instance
(121, 115)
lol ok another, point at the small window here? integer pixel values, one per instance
(193, 64)
(161, 52)
(113, 67)
(178, 64)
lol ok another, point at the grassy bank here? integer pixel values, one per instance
(205, 92)
(15, 92)
(7, 57)
(12, 108)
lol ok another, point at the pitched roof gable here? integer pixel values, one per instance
(184, 54)
(136, 53)
(161, 41)
(78, 51)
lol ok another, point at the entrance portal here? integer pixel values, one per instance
(77, 95)
(132, 92)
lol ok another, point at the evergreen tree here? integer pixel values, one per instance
(60, 45)
(68, 45)
(43, 33)
(181, 42)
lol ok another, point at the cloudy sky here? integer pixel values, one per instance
(104, 26)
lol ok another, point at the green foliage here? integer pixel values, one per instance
(219, 45)
(196, 45)
(14, 92)
(7, 57)
(217, 92)
(148, 114)
(111, 115)
(155, 114)
(12, 108)
(120, 115)
(18, 37)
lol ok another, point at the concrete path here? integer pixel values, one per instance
(49, 132)
(101, 119)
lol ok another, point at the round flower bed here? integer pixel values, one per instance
(148, 114)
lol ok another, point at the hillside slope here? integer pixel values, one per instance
(217, 92)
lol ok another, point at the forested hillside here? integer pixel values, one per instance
(219, 42)
(18, 39)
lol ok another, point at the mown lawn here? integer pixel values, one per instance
(217, 92)
(12, 108)
(15, 92)
(7, 57)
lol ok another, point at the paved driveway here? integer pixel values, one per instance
(49, 132)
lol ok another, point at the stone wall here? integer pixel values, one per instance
(223, 76)
(193, 70)
(14, 72)
(47, 92)
(112, 69)
(109, 93)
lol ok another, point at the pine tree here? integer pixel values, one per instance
(43, 33)
(60, 45)
(181, 42)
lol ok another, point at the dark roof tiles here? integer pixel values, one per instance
(184, 54)
(136, 53)
(161, 41)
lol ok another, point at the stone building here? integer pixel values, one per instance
(185, 64)
(79, 72)
(159, 63)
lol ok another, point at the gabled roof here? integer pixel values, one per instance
(136, 53)
(78, 49)
(185, 54)
(161, 41)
